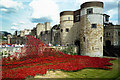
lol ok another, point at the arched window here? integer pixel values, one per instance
(84, 39)
(101, 39)
(41, 33)
(106, 34)
(61, 30)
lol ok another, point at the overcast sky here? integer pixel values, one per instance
(25, 14)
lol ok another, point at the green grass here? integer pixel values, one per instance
(97, 73)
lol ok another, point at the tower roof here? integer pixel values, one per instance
(66, 13)
(92, 3)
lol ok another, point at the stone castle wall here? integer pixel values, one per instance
(112, 34)
(22, 33)
(42, 27)
(39, 28)
(91, 39)
(66, 22)
(75, 32)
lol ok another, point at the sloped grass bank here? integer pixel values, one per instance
(97, 73)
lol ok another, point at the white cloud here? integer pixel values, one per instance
(14, 28)
(110, 7)
(21, 22)
(115, 22)
(14, 24)
(82, 1)
(112, 12)
(63, 1)
(10, 4)
(45, 8)
(18, 23)
(4, 10)
(6, 5)
(113, 15)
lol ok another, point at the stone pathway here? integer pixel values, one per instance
(52, 74)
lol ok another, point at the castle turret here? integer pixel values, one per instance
(47, 26)
(22, 33)
(91, 30)
(66, 23)
(39, 28)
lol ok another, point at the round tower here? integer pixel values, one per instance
(39, 28)
(66, 23)
(91, 30)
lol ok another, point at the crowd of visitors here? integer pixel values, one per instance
(11, 45)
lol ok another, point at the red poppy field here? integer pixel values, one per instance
(36, 58)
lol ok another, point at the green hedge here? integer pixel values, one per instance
(68, 50)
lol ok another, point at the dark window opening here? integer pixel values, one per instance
(84, 39)
(108, 43)
(67, 30)
(67, 44)
(107, 34)
(68, 18)
(46, 32)
(61, 30)
(107, 18)
(90, 11)
(77, 43)
(94, 25)
(101, 39)
(118, 33)
(77, 18)
(41, 33)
